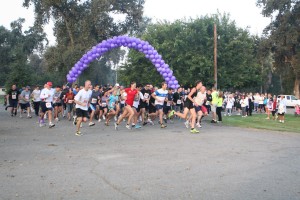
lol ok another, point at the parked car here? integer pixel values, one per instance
(291, 100)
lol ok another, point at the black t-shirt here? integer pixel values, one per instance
(208, 97)
(146, 94)
(13, 94)
(169, 98)
(95, 97)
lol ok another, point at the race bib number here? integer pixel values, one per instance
(168, 103)
(94, 100)
(48, 105)
(70, 101)
(14, 96)
(27, 97)
(178, 101)
(146, 95)
(103, 104)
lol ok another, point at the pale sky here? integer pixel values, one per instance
(243, 12)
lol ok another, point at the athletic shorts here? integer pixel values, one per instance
(57, 105)
(81, 113)
(167, 109)
(204, 109)
(24, 106)
(159, 107)
(13, 103)
(213, 108)
(281, 114)
(188, 105)
(45, 108)
(102, 108)
(198, 108)
(152, 109)
(143, 105)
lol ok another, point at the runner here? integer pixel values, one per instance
(36, 99)
(136, 106)
(57, 102)
(160, 97)
(168, 106)
(25, 102)
(82, 99)
(69, 100)
(95, 99)
(201, 110)
(13, 99)
(131, 92)
(144, 102)
(189, 106)
(46, 104)
(112, 102)
(214, 103)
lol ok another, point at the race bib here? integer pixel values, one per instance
(48, 105)
(146, 95)
(70, 101)
(103, 104)
(168, 103)
(14, 96)
(178, 101)
(94, 100)
(27, 97)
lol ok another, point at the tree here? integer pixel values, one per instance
(284, 36)
(187, 46)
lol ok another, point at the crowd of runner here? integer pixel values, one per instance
(137, 105)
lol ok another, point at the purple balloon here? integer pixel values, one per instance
(170, 82)
(175, 82)
(157, 65)
(173, 78)
(167, 79)
(165, 75)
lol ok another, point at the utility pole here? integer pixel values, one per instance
(215, 57)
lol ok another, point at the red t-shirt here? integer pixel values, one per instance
(69, 96)
(130, 96)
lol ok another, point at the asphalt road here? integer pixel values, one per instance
(149, 163)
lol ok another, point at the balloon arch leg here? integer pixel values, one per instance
(130, 42)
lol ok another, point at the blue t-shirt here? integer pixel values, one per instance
(112, 101)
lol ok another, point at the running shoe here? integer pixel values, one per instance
(186, 123)
(91, 124)
(151, 122)
(78, 133)
(163, 126)
(193, 130)
(128, 126)
(145, 123)
(99, 120)
(165, 120)
(115, 118)
(51, 125)
(29, 116)
(116, 126)
(198, 125)
(137, 126)
(74, 121)
(171, 114)
(42, 124)
(106, 124)
(56, 119)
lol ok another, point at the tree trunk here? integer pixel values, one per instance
(297, 85)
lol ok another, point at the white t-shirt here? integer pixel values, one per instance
(161, 95)
(47, 95)
(83, 96)
(199, 99)
(124, 96)
(230, 102)
(36, 95)
(136, 101)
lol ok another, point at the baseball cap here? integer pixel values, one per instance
(49, 83)
(117, 85)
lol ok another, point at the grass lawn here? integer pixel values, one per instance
(259, 121)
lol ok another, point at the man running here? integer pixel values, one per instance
(25, 102)
(95, 99)
(82, 99)
(46, 104)
(13, 99)
(160, 97)
(189, 106)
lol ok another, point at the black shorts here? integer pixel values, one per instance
(189, 105)
(152, 109)
(137, 109)
(13, 103)
(281, 114)
(57, 105)
(143, 105)
(167, 109)
(24, 106)
(44, 107)
(198, 108)
(102, 108)
(81, 113)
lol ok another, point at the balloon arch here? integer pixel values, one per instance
(130, 42)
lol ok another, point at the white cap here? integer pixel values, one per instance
(117, 85)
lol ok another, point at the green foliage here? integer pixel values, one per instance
(283, 39)
(187, 46)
